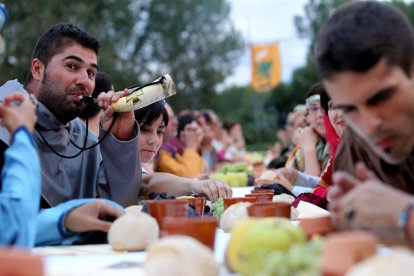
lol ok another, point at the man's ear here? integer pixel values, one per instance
(38, 69)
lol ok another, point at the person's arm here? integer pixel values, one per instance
(120, 176)
(308, 140)
(19, 198)
(73, 221)
(122, 167)
(306, 180)
(178, 186)
(21, 179)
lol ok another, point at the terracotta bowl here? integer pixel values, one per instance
(202, 228)
(198, 202)
(258, 191)
(262, 197)
(269, 209)
(316, 226)
(227, 201)
(18, 262)
(161, 209)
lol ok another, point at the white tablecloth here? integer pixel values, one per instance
(101, 260)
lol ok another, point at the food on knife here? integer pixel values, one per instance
(180, 255)
(233, 214)
(133, 232)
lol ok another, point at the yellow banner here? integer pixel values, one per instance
(266, 67)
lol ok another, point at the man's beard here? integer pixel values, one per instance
(58, 100)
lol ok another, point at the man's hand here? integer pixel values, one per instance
(125, 121)
(89, 217)
(211, 188)
(16, 111)
(364, 202)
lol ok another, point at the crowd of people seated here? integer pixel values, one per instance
(67, 167)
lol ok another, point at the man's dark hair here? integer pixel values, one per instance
(149, 114)
(357, 35)
(57, 38)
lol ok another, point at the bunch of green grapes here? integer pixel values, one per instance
(218, 208)
(302, 259)
(237, 167)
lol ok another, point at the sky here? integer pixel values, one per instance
(267, 21)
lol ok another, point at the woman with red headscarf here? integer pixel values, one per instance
(334, 126)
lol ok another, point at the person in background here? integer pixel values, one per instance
(220, 137)
(206, 146)
(300, 182)
(236, 148)
(153, 120)
(180, 155)
(171, 129)
(311, 153)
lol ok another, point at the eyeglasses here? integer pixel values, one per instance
(314, 109)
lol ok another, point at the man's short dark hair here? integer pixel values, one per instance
(57, 38)
(357, 35)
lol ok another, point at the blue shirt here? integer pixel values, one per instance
(50, 228)
(21, 223)
(19, 198)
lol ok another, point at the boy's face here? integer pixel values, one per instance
(379, 105)
(67, 76)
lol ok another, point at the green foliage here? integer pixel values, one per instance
(241, 104)
(194, 41)
(28, 19)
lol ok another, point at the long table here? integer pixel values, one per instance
(102, 260)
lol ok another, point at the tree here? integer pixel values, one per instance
(28, 19)
(194, 41)
(259, 123)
